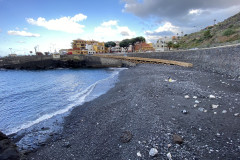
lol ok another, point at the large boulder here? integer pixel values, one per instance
(8, 150)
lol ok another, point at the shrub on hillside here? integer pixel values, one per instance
(228, 32)
(207, 34)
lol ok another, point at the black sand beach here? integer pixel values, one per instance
(144, 110)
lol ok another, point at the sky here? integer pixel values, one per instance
(53, 24)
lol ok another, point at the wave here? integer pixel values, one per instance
(77, 99)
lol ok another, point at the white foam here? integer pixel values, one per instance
(77, 99)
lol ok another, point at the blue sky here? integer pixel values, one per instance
(53, 24)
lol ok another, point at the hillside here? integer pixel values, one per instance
(223, 33)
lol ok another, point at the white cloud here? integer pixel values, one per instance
(110, 30)
(65, 24)
(25, 29)
(167, 29)
(23, 33)
(20, 41)
(195, 11)
(109, 23)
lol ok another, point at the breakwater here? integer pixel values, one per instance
(65, 61)
(223, 60)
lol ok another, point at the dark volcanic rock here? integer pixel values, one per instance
(8, 150)
(126, 137)
(177, 139)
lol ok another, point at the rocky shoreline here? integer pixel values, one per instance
(8, 150)
(154, 112)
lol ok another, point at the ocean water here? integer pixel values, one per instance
(31, 102)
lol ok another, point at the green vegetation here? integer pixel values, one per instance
(170, 45)
(207, 34)
(223, 33)
(127, 42)
(228, 32)
(110, 44)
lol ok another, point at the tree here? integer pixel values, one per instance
(170, 44)
(125, 44)
(110, 44)
(137, 39)
(176, 45)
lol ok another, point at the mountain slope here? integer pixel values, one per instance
(223, 33)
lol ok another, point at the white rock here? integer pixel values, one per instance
(186, 96)
(212, 96)
(215, 112)
(236, 114)
(214, 106)
(195, 105)
(197, 101)
(205, 110)
(153, 152)
(169, 145)
(139, 154)
(194, 97)
(224, 111)
(169, 156)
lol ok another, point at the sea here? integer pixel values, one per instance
(33, 104)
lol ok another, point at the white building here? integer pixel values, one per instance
(90, 49)
(117, 48)
(161, 44)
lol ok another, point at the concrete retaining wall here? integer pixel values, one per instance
(66, 61)
(223, 60)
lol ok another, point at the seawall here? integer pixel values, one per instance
(65, 61)
(223, 60)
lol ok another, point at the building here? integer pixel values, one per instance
(117, 48)
(144, 47)
(161, 44)
(86, 47)
(90, 49)
(63, 51)
(12, 55)
(99, 47)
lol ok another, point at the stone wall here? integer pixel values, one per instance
(223, 60)
(66, 61)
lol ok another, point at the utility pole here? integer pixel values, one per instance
(10, 50)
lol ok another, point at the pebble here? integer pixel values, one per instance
(212, 96)
(177, 139)
(186, 96)
(197, 101)
(153, 152)
(205, 110)
(214, 106)
(194, 97)
(195, 105)
(184, 111)
(169, 156)
(201, 109)
(139, 154)
(169, 145)
(224, 111)
(126, 137)
(214, 112)
(236, 114)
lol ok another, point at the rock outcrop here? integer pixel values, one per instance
(8, 150)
